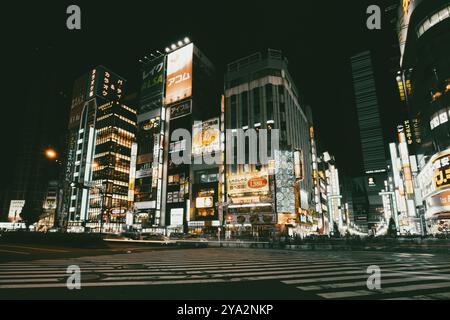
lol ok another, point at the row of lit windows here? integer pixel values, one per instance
(106, 106)
(432, 20)
(104, 117)
(111, 129)
(115, 132)
(125, 119)
(439, 118)
(128, 108)
(117, 155)
(126, 142)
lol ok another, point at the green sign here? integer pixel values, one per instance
(152, 82)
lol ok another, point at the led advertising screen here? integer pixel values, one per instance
(15, 209)
(179, 74)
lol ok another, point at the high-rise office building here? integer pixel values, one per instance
(371, 135)
(101, 132)
(372, 144)
(178, 94)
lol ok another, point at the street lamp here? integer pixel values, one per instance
(51, 153)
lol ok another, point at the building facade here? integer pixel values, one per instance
(179, 118)
(371, 135)
(100, 133)
(424, 84)
(264, 198)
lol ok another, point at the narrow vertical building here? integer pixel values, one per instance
(371, 137)
(101, 129)
(264, 198)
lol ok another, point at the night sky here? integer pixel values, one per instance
(317, 37)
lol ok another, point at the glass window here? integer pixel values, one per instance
(434, 19)
(269, 99)
(256, 106)
(426, 25)
(233, 111)
(244, 108)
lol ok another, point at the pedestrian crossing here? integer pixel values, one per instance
(322, 274)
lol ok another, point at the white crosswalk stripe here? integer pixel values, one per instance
(328, 275)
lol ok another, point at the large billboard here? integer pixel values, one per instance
(179, 74)
(441, 170)
(152, 84)
(248, 183)
(205, 137)
(105, 84)
(15, 209)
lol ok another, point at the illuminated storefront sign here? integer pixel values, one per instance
(246, 183)
(298, 164)
(205, 137)
(204, 202)
(425, 179)
(179, 74)
(441, 170)
(152, 83)
(181, 110)
(131, 185)
(245, 200)
(15, 208)
(439, 118)
(438, 205)
(176, 217)
(287, 218)
(256, 218)
(434, 182)
(405, 6)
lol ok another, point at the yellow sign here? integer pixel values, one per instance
(245, 183)
(405, 5)
(204, 202)
(206, 137)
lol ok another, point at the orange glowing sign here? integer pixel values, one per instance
(257, 182)
(179, 74)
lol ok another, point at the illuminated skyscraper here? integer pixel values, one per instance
(371, 135)
(101, 131)
(373, 148)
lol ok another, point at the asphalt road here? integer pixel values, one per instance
(139, 272)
